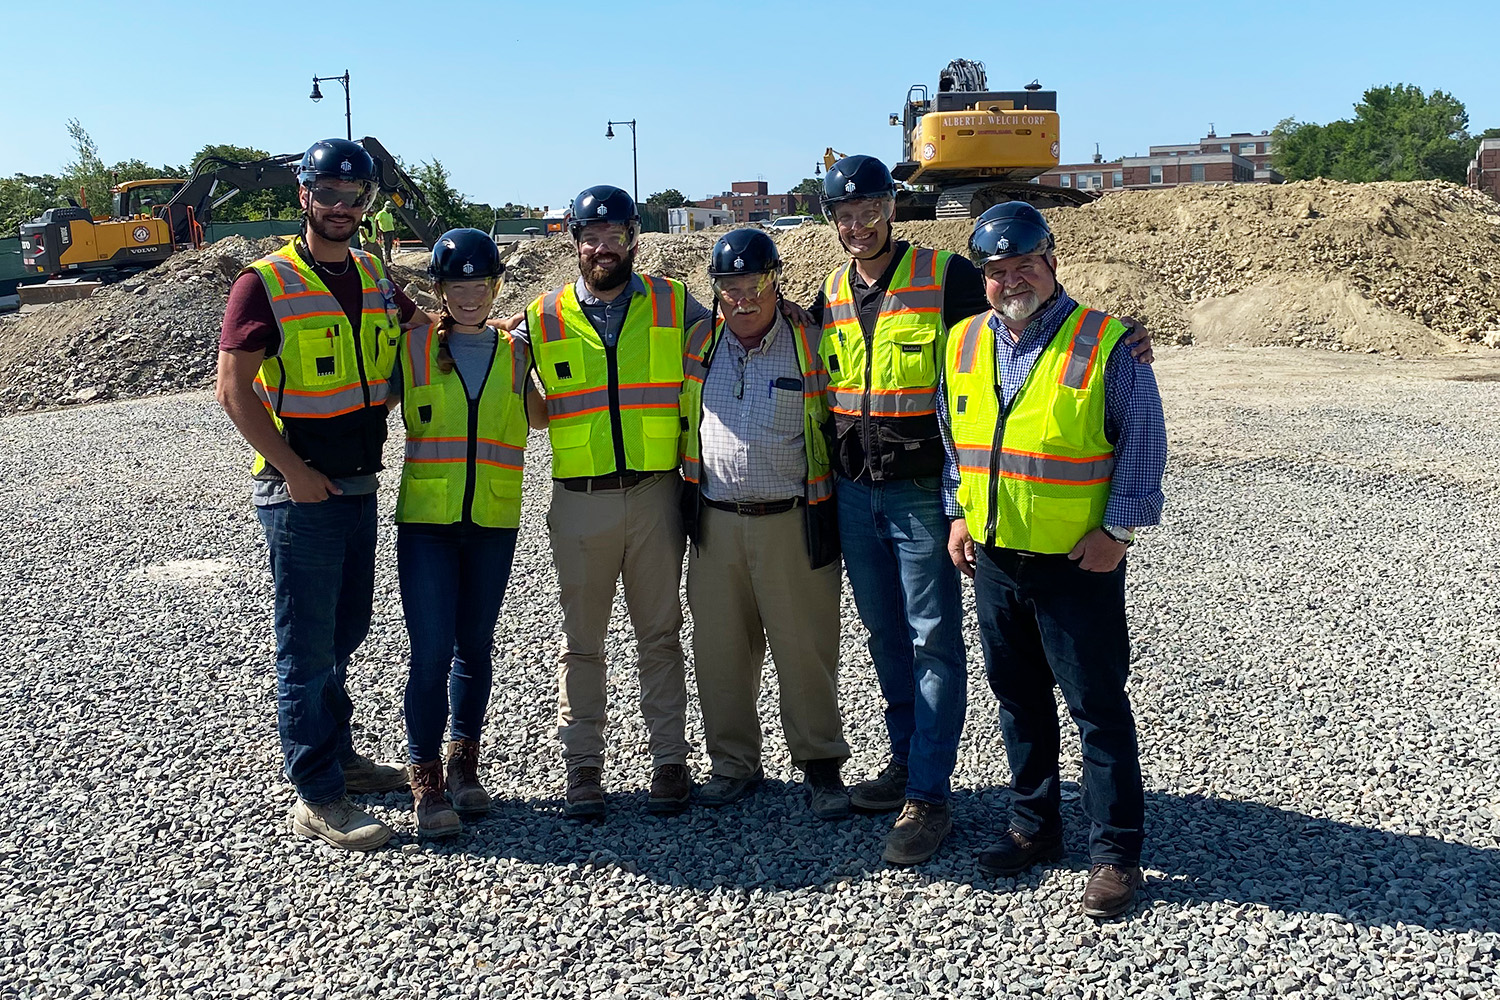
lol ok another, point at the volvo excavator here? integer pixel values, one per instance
(966, 147)
(152, 219)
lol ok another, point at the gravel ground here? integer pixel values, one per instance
(1316, 645)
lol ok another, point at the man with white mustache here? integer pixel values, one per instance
(758, 506)
(1057, 436)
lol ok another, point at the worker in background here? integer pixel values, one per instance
(463, 388)
(1057, 438)
(758, 506)
(884, 317)
(608, 349)
(309, 340)
(385, 231)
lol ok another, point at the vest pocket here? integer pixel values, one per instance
(666, 354)
(659, 432)
(320, 355)
(425, 499)
(914, 365)
(560, 363)
(1067, 417)
(422, 406)
(569, 444)
(1057, 523)
(499, 505)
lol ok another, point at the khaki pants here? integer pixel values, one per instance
(749, 582)
(597, 538)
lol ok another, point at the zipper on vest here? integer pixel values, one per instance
(359, 360)
(864, 402)
(471, 464)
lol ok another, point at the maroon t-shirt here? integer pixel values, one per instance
(250, 325)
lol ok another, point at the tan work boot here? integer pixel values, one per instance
(340, 823)
(435, 817)
(464, 789)
(362, 776)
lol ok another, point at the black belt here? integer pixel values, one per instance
(758, 509)
(592, 484)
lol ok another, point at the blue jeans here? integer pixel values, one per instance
(895, 541)
(453, 579)
(323, 569)
(1044, 621)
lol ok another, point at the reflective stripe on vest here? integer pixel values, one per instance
(905, 348)
(438, 478)
(701, 343)
(1046, 484)
(574, 367)
(320, 367)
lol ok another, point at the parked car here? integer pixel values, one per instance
(788, 222)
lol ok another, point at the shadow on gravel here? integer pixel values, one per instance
(1208, 849)
(1214, 850)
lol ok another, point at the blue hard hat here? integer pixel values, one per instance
(856, 177)
(1009, 229)
(463, 255)
(338, 158)
(601, 203)
(743, 251)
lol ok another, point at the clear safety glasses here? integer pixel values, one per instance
(609, 237)
(738, 287)
(856, 215)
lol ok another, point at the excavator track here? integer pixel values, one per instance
(969, 201)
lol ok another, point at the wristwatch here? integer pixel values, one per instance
(1125, 536)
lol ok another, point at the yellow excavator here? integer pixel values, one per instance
(966, 147)
(150, 220)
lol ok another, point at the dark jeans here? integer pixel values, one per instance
(895, 542)
(323, 568)
(1044, 621)
(453, 579)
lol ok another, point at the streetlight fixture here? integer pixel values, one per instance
(317, 95)
(609, 133)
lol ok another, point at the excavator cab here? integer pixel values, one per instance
(135, 198)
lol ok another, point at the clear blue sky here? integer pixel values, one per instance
(513, 97)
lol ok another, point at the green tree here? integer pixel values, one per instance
(271, 203)
(670, 198)
(23, 197)
(1397, 133)
(448, 202)
(86, 172)
(807, 191)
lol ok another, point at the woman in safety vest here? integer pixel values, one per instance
(464, 402)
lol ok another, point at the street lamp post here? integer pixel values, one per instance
(609, 133)
(317, 95)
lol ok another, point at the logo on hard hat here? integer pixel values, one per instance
(849, 187)
(468, 268)
(603, 209)
(739, 263)
(346, 166)
(1003, 244)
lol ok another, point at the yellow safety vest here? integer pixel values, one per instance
(325, 385)
(1039, 479)
(576, 374)
(463, 457)
(702, 343)
(897, 375)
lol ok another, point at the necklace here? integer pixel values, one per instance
(326, 269)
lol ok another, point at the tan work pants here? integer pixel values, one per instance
(596, 538)
(749, 582)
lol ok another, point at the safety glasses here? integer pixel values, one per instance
(598, 237)
(738, 287)
(861, 214)
(357, 198)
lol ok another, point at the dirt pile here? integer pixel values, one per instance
(154, 332)
(1405, 269)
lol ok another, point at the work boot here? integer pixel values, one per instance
(340, 823)
(362, 776)
(919, 830)
(883, 793)
(825, 788)
(467, 794)
(721, 789)
(585, 799)
(1111, 889)
(1017, 852)
(671, 790)
(435, 817)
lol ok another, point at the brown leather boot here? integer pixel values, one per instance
(1110, 890)
(435, 817)
(468, 795)
(585, 793)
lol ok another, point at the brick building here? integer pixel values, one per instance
(1240, 158)
(1484, 169)
(751, 201)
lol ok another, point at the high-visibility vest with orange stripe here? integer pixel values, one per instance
(896, 374)
(463, 457)
(1039, 479)
(325, 385)
(701, 345)
(575, 371)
